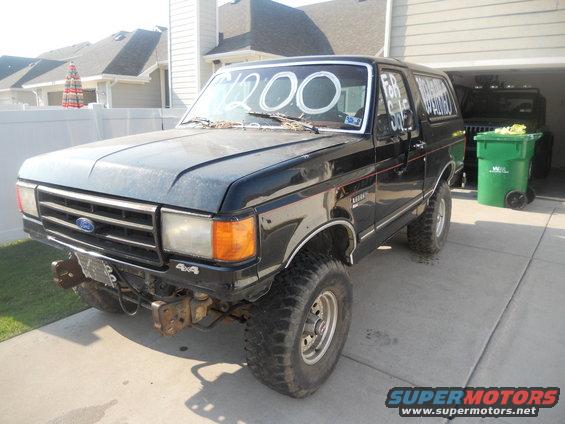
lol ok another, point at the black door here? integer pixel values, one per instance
(400, 152)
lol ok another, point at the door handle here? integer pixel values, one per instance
(421, 145)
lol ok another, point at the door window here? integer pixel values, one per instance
(396, 99)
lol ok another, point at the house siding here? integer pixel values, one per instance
(447, 32)
(193, 32)
(138, 95)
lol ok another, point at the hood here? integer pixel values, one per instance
(189, 168)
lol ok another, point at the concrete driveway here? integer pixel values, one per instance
(488, 311)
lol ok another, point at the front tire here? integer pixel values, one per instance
(428, 233)
(297, 331)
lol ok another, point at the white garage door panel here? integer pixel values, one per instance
(443, 31)
(523, 43)
(399, 29)
(499, 33)
(501, 10)
(410, 8)
(519, 58)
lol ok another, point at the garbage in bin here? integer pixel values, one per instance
(505, 167)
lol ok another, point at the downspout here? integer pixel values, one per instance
(109, 92)
(388, 28)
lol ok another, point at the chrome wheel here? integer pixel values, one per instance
(440, 217)
(319, 328)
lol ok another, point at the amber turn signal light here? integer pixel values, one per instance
(234, 240)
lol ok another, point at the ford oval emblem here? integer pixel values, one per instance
(85, 225)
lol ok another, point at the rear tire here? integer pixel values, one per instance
(94, 296)
(428, 233)
(289, 347)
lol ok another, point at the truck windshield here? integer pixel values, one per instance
(499, 105)
(328, 96)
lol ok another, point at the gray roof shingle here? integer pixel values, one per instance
(270, 27)
(333, 27)
(33, 70)
(65, 53)
(124, 53)
(12, 64)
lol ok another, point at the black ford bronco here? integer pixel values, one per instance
(488, 108)
(281, 175)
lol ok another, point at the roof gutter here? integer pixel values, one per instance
(102, 77)
(388, 28)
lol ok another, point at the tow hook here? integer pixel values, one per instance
(67, 273)
(170, 318)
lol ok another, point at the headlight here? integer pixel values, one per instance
(25, 196)
(201, 236)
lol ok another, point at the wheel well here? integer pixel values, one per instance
(447, 172)
(335, 241)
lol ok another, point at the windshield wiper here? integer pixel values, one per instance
(207, 123)
(287, 121)
(199, 120)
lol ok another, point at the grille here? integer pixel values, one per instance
(470, 132)
(122, 229)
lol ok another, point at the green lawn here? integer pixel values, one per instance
(28, 297)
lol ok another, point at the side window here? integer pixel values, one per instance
(436, 96)
(396, 99)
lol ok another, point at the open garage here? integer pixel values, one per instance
(500, 43)
(534, 97)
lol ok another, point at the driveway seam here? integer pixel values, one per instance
(500, 318)
(490, 249)
(378, 370)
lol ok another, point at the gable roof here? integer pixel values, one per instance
(270, 27)
(12, 64)
(123, 53)
(65, 53)
(333, 27)
(28, 73)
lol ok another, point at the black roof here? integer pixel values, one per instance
(334, 27)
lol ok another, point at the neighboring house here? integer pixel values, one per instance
(127, 69)
(11, 91)
(246, 30)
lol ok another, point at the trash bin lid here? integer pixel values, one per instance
(494, 136)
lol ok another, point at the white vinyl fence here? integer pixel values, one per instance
(32, 131)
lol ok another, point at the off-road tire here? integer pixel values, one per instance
(273, 332)
(422, 234)
(94, 296)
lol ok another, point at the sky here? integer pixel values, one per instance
(31, 27)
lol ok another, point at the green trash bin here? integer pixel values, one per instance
(504, 168)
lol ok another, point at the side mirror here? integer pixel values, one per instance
(408, 120)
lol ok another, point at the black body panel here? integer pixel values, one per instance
(296, 184)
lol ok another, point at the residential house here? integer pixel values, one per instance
(204, 37)
(126, 69)
(11, 91)
(520, 42)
